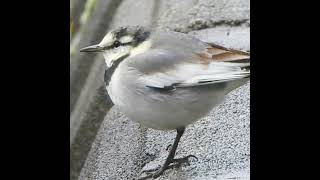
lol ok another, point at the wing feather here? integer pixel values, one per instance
(216, 64)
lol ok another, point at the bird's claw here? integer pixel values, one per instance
(168, 147)
(156, 172)
(150, 171)
(180, 161)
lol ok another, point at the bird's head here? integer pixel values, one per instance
(121, 42)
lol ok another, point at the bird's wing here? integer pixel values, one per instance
(215, 64)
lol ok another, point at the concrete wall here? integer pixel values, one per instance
(104, 144)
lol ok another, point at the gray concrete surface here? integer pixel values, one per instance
(237, 37)
(132, 13)
(189, 15)
(117, 151)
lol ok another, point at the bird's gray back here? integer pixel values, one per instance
(167, 50)
(176, 41)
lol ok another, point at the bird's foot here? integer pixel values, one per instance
(154, 173)
(158, 171)
(180, 161)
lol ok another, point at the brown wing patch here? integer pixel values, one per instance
(215, 51)
(229, 56)
(218, 47)
(220, 53)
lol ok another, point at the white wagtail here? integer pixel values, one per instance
(168, 80)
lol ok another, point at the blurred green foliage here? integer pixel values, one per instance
(76, 23)
(89, 7)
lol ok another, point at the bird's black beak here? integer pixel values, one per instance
(93, 48)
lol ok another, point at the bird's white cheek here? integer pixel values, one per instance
(108, 59)
(114, 54)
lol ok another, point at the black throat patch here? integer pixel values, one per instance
(109, 71)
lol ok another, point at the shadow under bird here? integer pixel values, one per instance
(167, 80)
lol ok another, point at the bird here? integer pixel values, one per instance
(167, 80)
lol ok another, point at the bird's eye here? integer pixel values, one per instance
(116, 44)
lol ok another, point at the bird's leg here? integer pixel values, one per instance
(172, 152)
(170, 159)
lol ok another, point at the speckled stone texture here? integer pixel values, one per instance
(188, 15)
